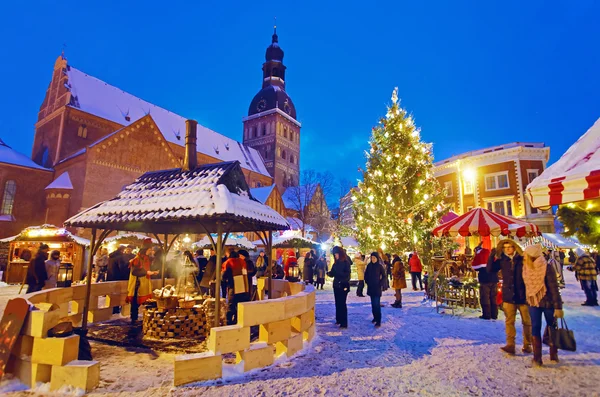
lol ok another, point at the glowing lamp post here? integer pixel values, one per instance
(64, 277)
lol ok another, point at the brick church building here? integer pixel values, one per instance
(92, 138)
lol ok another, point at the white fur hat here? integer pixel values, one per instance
(534, 250)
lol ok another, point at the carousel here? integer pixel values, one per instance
(454, 282)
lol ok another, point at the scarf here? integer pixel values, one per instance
(534, 274)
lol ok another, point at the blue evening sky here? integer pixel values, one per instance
(473, 73)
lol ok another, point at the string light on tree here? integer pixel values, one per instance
(408, 204)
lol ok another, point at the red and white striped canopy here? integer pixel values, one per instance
(481, 222)
(574, 177)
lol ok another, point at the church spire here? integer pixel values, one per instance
(275, 38)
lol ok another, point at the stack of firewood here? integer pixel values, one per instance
(175, 323)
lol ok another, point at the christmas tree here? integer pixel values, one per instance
(399, 201)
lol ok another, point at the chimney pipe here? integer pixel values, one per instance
(190, 161)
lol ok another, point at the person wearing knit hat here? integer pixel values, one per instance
(586, 273)
(340, 271)
(507, 257)
(543, 298)
(139, 287)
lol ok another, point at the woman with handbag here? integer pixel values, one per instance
(543, 297)
(139, 288)
(340, 271)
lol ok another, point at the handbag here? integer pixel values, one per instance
(564, 339)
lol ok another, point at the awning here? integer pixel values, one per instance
(559, 241)
(574, 177)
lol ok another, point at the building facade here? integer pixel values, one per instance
(91, 139)
(495, 178)
(271, 126)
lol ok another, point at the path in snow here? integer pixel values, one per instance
(416, 351)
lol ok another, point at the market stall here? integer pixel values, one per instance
(575, 177)
(24, 246)
(454, 283)
(113, 242)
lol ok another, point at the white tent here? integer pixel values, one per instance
(574, 177)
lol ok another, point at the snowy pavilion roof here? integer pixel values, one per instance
(177, 201)
(96, 97)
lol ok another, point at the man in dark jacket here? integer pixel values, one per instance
(375, 278)
(488, 283)
(114, 264)
(508, 259)
(36, 272)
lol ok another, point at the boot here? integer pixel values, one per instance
(527, 349)
(537, 351)
(553, 353)
(509, 348)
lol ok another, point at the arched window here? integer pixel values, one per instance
(264, 129)
(253, 129)
(285, 135)
(283, 155)
(291, 159)
(275, 72)
(82, 131)
(8, 198)
(45, 156)
(291, 135)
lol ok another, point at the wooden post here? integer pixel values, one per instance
(269, 250)
(218, 274)
(164, 259)
(88, 286)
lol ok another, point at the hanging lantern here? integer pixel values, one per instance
(64, 277)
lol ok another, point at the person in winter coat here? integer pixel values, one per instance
(251, 269)
(128, 255)
(558, 268)
(340, 271)
(202, 261)
(235, 277)
(101, 261)
(208, 278)
(261, 264)
(139, 288)
(375, 279)
(308, 268)
(398, 280)
(360, 273)
(277, 271)
(488, 283)
(114, 259)
(585, 269)
(572, 258)
(416, 270)
(36, 272)
(320, 271)
(52, 266)
(543, 298)
(507, 258)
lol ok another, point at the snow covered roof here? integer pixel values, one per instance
(574, 177)
(94, 96)
(62, 182)
(262, 193)
(177, 201)
(347, 241)
(124, 236)
(46, 232)
(240, 241)
(10, 156)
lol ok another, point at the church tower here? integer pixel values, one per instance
(271, 126)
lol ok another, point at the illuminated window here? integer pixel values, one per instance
(82, 131)
(502, 207)
(8, 199)
(448, 189)
(468, 185)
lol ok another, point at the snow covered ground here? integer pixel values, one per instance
(415, 352)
